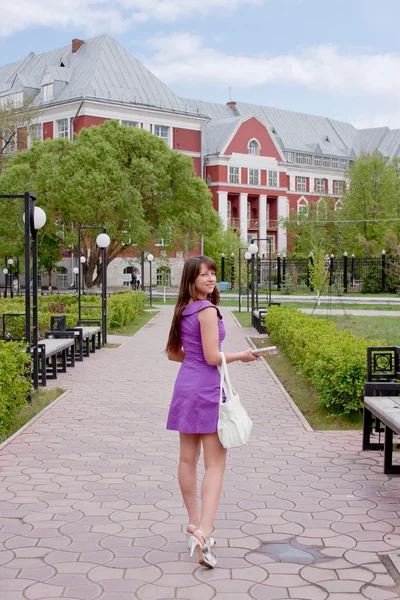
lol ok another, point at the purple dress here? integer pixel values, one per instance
(195, 401)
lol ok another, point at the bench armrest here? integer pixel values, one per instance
(89, 322)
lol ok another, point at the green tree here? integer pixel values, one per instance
(125, 179)
(318, 269)
(16, 124)
(224, 242)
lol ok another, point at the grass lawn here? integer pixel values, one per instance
(385, 329)
(40, 400)
(304, 395)
(137, 324)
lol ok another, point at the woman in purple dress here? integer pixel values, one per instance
(195, 340)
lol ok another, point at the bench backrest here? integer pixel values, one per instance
(383, 363)
(58, 322)
(382, 388)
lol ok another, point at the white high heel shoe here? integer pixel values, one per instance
(213, 541)
(206, 559)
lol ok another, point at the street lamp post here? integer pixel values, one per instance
(222, 267)
(253, 250)
(10, 263)
(247, 256)
(232, 270)
(82, 261)
(75, 270)
(150, 259)
(102, 241)
(5, 273)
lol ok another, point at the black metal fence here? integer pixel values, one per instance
(346, 274)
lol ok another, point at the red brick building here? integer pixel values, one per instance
(259, 162)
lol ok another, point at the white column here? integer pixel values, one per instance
(223, 208)
(262, 222)
(292, 183)
(330, 186)
(243, 217)
(283, 213)
(311, 185)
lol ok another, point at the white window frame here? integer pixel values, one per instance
(272, 178)
(62, 132)
(338, 204)
(254, 175)
(335, 163)
(322, 213)
(229, 210)
(33, 131)
(272, 238)
(299, 158)
(254, 147)
(234, 174)
(343, 163)
(320, 185)
(301, 184)
(162, 129)
(338, 186)
(48, 92)
(318, 161)
(289, 157)
(308, 159)
(133, 124)
(326, 161)
(302, 203)
(248, 211)
(161, 242)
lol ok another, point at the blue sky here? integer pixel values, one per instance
(339, 59)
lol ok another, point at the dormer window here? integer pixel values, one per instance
(254, 147)
(47, 92)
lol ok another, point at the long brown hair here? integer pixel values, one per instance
(188, 293)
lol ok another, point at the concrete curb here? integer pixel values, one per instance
(35, 418)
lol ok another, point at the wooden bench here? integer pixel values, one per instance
(257, 319)
(56, 351)
(382, 402)
(87, 331)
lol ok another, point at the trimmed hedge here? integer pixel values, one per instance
(14, 381)
(334, 361)
(122, 308)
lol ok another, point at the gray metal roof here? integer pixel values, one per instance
(103, 69)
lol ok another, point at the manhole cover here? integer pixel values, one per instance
(290, 551)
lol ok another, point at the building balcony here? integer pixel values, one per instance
(233, 222)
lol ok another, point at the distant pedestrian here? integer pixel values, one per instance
(133, 280)
(138, 281)
(195, 340)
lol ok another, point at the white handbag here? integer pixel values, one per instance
(234, 424)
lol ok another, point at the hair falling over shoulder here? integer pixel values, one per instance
(187, 294)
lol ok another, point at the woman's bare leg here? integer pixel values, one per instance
(190, 446)
(214, 462)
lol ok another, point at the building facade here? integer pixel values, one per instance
(259, 162)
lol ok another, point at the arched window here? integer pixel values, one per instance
(322, 209)
(302, 206)
(253, 147)
(338, 204)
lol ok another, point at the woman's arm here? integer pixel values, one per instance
(208, 319)
(176, 356)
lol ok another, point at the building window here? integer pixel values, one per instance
(164, 276)
(162, 132)
(130, 123)
(234, 175)
(302, 184)
(253, 147)
(338, 204)
(322, 209)
(300, 158)
(271, 243)
(62, 128)
(273, 178)
(320, 186)
(343, 163)
(253, 176)
(248, 211)
(12, 100)
(326, 161)
(289, 156)
(8, 141)
(229, 211)
(338, 187)
(318, 161)
(161, 242)
(302, 207)
(308, 159)
(36, 131)
(335, 163)
(48, 92)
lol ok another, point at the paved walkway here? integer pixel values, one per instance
(90, 504)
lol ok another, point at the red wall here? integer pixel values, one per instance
(48, 130)
(186, 139)
(283, 180)
(22, 138)
(263, 177)
(85, 121)
(244, 175)
(252, 128)
(217, 173)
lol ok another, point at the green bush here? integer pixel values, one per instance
(333, 361)
(14, 381)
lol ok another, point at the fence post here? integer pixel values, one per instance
(278, 268)
(353, 268)
(309, 262)
(284, 269)
(383, 289)
(345, 280)
(331, 269)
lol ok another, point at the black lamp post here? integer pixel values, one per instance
(222, 267)
(10, 263)
(5, 273)
(150, 258)
(102, 241)
(253, 250)
(34, 219)
(247, 256)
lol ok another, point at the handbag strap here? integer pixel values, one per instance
(225, 382)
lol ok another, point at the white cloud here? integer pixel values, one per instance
(367, 120)
(97, 16)
(185, 58)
